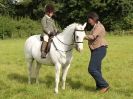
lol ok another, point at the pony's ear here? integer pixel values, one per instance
(84, 25)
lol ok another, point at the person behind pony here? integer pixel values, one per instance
(49, 28)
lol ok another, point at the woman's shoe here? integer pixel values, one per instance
(103, 90)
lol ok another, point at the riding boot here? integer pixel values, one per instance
(43, 49)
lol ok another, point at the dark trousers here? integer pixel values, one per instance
(94, 68)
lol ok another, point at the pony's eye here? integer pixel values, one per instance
(77, 37)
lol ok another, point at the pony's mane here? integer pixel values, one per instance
(73, 24)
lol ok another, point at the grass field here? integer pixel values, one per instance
(117, 69)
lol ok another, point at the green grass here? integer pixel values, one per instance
(117, 70)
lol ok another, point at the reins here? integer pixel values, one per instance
(67, 44)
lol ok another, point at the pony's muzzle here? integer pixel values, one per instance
(79, 47)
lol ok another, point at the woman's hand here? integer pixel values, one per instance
(89, 37)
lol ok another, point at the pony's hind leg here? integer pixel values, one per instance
(30, 63)
(64, 74)
(38, 65)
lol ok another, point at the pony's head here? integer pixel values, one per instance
(79, 35)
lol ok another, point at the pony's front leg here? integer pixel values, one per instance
(38, 65)
(64, 74)
(57, 76)
(30, 63)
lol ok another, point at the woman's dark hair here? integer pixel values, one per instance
(49, 8)
(94, 16)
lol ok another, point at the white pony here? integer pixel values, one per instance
(60, 53)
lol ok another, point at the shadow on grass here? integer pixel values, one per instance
(79, 85)
(18, 77)
(49, 81)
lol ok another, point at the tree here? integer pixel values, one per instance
(114, 14)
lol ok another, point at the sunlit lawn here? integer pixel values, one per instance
(117, 70)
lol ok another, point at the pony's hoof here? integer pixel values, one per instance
(63, 87)
(29, 83)
(56, 91)
(37, 82)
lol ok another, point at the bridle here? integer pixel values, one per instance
(74, 38)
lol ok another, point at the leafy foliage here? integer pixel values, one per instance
(22, 28)
(114, 14)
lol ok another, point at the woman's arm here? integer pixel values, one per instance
(95, 33)
(89, 37)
